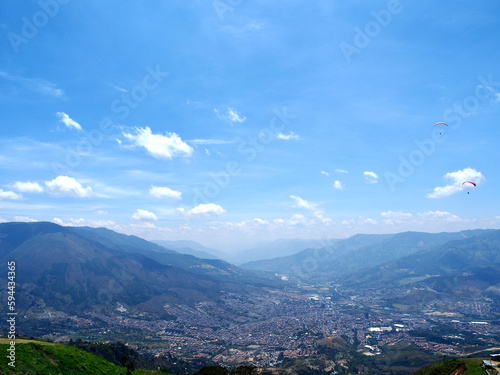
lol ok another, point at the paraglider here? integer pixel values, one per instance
(469, 182)
(440, 123)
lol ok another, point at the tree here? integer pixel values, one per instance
(123, 360)
(130, 368)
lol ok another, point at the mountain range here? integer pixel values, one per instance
(77, 269)
(468, 266)
(358, 252)
(74, 269)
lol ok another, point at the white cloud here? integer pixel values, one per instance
(302, 203)
(89, 223)
(394, 218)
(158, 145)
(38, 85)
(288, 137)
(338, 185)
(231, 116)
(143, 215)
(423, 220)
(66, 120)
(438, 216)
(62, 186)
(10, 195)
(101, 212)
(202, 210)
(27, 187)
(117, 88)
(297, 219)
(317, 211)
(396, 215)
(456, 182)
(341, 171)
(164, 192)
(199, 141)
(325, 173)
(370, 177)
(24, 219)
(258, 221)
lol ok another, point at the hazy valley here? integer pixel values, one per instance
(385, 302)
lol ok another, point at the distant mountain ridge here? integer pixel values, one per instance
(357, 252)
(471, 264)
(191, 248)
(277, 248)
(74, 269)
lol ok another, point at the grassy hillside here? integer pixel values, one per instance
(39, 357)
(466, 366)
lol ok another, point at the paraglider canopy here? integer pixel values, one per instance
(440, 123)
(469, 182)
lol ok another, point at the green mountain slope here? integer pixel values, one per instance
(312, 260)
(77, 270)
(471, 264)
(37, 357)
(358, 252)
(213, 268)
(463, 366)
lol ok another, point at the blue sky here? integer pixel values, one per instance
(234, 121)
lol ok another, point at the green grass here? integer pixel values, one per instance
(475, 369)
(38, 357)
(473, 366)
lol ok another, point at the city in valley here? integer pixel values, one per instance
(269, 328)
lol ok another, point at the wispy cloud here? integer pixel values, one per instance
(341, 171)
(231, 115)
(37, 85)
(456, 182)
(66, 120)
(302, 203)
(117, 88)
(370, 177)
(160, 146)
(325, 173)
(198, 141)
(314, 207)
(288, 137)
